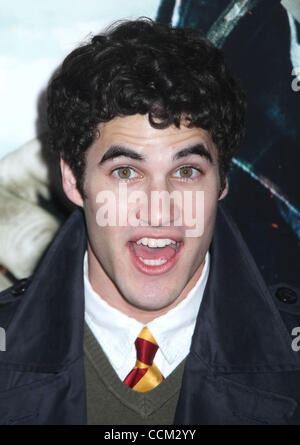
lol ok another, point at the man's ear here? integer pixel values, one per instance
(69, 184)
(225, 190)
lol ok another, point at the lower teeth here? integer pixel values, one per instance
(152, 262)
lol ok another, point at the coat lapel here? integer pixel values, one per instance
(239, 336)
(42, 378)
(46, 332)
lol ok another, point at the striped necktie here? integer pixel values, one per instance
(145, 375)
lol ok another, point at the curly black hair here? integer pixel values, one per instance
(144, 67)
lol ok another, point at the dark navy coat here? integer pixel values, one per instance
(241, 368)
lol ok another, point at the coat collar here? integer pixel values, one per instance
(238, 326)
(46, 332)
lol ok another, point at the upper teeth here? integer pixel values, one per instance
(154, 242)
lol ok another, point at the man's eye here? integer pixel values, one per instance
(124, 172)
(187, 172)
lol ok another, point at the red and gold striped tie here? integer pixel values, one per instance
(145, 375)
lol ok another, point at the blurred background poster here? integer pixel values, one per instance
(261, 39)
(35, 36)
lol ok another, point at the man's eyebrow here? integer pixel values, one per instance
(116, 151)
(198, 149)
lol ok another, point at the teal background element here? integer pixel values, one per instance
(35, 36)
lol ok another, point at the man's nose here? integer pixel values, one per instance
(163, 204)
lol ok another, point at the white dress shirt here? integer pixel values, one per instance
(116, 332)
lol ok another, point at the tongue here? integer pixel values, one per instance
(154, 253)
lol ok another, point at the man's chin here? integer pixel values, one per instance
(151, 303)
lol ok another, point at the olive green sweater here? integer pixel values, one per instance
(111, 402)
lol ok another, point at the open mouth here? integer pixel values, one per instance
(154, 256)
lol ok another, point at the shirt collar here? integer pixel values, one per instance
(172, 331)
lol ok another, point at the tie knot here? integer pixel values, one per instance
(146, 347)
(145, 375)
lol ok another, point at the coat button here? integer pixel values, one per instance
(286, 295)
(20, 287)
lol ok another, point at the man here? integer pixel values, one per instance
(137, 314)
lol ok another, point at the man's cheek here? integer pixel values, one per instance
(194, 213)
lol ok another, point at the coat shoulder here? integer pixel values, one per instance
(9, 300)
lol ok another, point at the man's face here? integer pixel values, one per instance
(123, 269)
